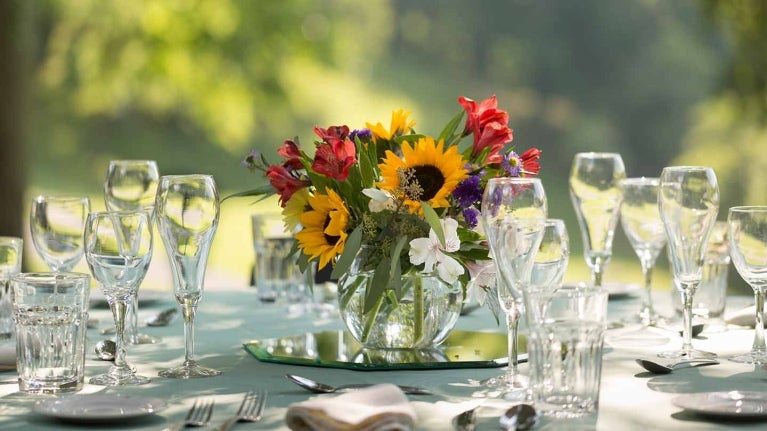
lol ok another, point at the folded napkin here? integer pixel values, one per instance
(7, 355)
(743, 317)
(381, 407)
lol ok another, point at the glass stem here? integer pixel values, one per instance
(647, 313)
(512, 320)
(596, 272)
(188, 313)
(133, 326)
(687, 292)
(759, 322)
(119, 310)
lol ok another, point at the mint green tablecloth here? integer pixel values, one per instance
(629, 398)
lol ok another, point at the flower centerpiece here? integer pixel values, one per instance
(395, 212)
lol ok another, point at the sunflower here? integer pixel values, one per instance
(324, 232)
(294, 208)
(399, 125)
(426, 172)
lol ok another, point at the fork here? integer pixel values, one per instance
(198, 416)
(250, 410)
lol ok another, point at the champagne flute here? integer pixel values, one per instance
(513, 213)
(118, 248)
(57, 225)
(688, 198)
(641, 222)
(748, 249)
(131, 185)
(551, 260)
(597, 197)
(187, 210)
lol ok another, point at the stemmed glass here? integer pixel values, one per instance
(688, 198)
(513, 214)
(187, 211)
(640, 218)
(57, 225)
(551, 260)
(597, 197)
(748, 249)
(131, 185)
(118, 248)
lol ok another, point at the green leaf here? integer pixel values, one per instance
(409, 138)
(468, 235)
(449, 131)
(378, 285)
(348, 292)
(433, 219)
(344, 262)
(264, 190)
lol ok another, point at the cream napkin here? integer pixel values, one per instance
(381, 407)
(8, 355)
(743, 317)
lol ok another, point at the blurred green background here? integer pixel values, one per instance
(196, 84)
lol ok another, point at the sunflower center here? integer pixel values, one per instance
(331, 239)
(430, 179)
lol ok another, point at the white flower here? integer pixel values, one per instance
(481, 279)
(430, 252)
(379, 200)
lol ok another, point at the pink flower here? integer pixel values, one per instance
(334, 159)
(284, 182)
(332, 133)
(292, 155)
(489, 125)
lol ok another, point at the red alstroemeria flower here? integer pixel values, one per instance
(292, 155)
(334, 159)
(284, 182)
(332, 133)
(493, 136)
(483, 116)
(529, 158)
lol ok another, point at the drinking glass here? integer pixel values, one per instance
(688, 198)
(513, 214)
(118, 248)
(57, 225)
(641, 222)
(10, 265)
(748, 248)
(187, 211)
(597, 196)
(551, 260)
(131, 185)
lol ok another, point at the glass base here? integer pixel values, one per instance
(118, 380)
(756, 358)
(684, 354)
(143, 339)
(189, 370)
(507, 382)
(641, 337)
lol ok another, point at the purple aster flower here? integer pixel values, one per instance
(470, 215)
(250, 161)
(364, 135)
(512, 164)
(468, 192)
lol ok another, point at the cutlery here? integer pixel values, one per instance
(250, 410)
(105, 350)
(465, 421)
(657, 368)
(198, 416)
(163, 318)
(322, 388)
(519, 417)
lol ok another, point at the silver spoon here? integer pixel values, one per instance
(657, 368)
(322, 388)
(106, 349)
(465, 421)
(163, 318)
(519, 417)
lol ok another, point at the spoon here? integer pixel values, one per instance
(322, 388)
(657, 368)
(696, 330)
(519, 417)
(163, 318)
(105, 350)
(465, 421)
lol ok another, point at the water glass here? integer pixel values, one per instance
(51, 314)
(10, 265)
(57, 225)
(565, 340)
(551, 260)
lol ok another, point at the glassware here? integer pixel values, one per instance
(118, 248)
(640, 218)
(748, 248)
(187, 211)
(131, 185)
(551, 260)
(688, 198)
(597, 196)
(57, 225)
(513, 214)
(11, 249)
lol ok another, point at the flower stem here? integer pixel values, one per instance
(370, 320)
(418, 310)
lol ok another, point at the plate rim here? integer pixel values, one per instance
(44, 407)
(695, 403)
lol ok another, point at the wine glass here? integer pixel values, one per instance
(513, 214)
(551, 260)
(57, 225)
(748, 249)
(118, 249)
(131, 185)
(597, 196)
(640, 218)
(688, 198)
(187, 211)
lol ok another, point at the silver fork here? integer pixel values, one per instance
(198, 416)
(250, 410)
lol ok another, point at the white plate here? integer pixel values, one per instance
(618, 290)
(740, 404)
(144, 297)
(99, 407)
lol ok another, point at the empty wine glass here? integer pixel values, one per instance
(513, 214)
(551, 260)
(597, 197)
(748, 249)
(118, 248)
(57, 225)
(688, 198)
(640, 218)
(131, 185)
(187, 211)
